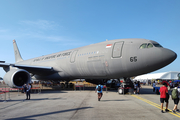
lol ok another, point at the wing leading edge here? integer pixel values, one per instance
(29, 68)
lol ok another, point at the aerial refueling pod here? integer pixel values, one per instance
(17, 78)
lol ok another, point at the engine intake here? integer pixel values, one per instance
(17, 78)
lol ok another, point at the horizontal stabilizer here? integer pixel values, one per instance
(4, 64)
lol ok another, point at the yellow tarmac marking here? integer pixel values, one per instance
(156, 105)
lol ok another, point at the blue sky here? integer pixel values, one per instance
(43, 27)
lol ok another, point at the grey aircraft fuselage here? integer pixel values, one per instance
(110, 59)
(106, 60)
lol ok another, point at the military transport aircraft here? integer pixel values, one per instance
(101, 61)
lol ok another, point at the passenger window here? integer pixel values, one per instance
(143, 46)
(149, 45)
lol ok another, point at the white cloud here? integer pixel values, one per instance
(39, 24)
(42, 30)
(48, 37)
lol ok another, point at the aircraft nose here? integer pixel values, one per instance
(168, 56)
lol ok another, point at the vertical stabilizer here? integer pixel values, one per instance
(17, 54)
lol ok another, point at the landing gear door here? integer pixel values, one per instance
(117, 50)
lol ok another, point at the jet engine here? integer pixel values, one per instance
(17, 78)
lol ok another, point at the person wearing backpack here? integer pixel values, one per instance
(175, 97)
(99, 88)
(163, 91)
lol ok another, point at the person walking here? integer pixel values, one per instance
(171, 84)
(154, 85)
(175, 97)
(135, 87)
(28, 92)
(163, 91)
(98, 90)
(138, 87)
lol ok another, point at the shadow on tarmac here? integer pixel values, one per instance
(146, 91)
(52, 91)
(35, 99)
(114, 100)
(20, 101)
(50, 113)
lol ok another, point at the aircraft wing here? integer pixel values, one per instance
(31, 69)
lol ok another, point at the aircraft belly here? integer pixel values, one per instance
(55, 76)
(96, 68)
(73, 70)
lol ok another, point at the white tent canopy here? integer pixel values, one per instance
(164, 75)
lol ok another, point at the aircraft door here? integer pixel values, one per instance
(73, 56)
(117, 50)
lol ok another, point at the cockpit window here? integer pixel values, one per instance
(157, 45)
(143, 46)
(149, 45)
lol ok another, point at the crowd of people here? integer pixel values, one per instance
(164, 96)
(137, 87)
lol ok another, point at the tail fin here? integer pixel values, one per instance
(17, 54)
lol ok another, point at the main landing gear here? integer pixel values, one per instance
(125, 86)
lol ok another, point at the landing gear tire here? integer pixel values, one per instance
(120, 91)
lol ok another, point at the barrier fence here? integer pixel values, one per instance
(36, 88)
(85, 86)
(5, 91)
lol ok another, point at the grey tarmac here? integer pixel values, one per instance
(84, 105)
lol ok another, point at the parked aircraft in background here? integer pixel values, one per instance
(102, 61)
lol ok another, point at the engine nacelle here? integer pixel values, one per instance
(17, 78)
